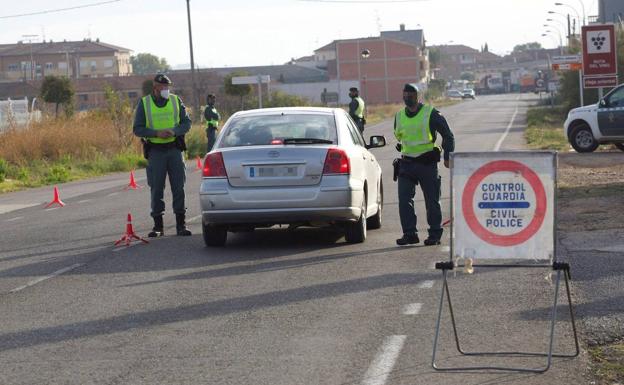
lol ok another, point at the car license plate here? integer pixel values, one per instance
(272, 172)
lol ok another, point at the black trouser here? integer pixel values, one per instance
(163, 161)
(412, 173)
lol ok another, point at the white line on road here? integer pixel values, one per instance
(502, 138)
(426, 285)
(41, 279)
(380, 368)
(84, 201)
(14, 219)
(52, 208)
(412, 308)
(112, 194)
(445, 249)
(125, 247)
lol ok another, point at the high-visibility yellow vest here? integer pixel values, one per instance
(359, 112)
(414, 133)
(213, 122)
(162, 118)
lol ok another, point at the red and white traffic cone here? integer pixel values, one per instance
(130, 235)
(56, 200)
(198, 166)
(133, 184)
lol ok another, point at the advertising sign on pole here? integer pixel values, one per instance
(503, 205)
(599, 54)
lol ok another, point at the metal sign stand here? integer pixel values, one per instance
(559, 267)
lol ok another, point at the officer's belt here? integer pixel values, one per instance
(163, 146)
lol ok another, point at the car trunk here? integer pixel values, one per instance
(270, 166)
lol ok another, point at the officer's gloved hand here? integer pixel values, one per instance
(398, 147)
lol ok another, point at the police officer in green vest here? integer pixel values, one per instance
(212, 120)
(416, 128)
(162, 120)
(356, 108)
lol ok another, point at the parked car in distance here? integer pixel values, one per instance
(299, 166)
(589, 126)
(468, 93)
(454, 94)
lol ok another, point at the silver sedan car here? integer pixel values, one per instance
(297, 166)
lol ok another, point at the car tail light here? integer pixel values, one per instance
(214, 166)
(336, 162)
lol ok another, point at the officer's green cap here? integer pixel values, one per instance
(410, 87)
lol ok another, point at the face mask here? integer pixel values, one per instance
(410, 102)
(164, 94)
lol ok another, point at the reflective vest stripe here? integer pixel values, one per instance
(359, 112)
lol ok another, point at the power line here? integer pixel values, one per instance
(60, 9)
(363, 1)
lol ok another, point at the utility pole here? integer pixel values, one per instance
(196, 112)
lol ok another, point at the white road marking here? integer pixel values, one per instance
(52, 208)
(112, 194)
(8, 208)
(412, 308)
(380, 368)
(502, 138)
(125, 247)
(84, 201)
(426, 285)
(14, 219)
(445, 249)
(41, 279)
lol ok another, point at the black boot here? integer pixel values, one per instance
(181, 225)
(408, 239)
(157, 231)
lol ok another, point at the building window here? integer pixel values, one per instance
(83, 97)
(93, 65)
(62, 65)
(108, 63)
(49, 66)
(14, 67)
(132, 94)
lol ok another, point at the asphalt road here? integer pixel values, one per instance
(272, 307)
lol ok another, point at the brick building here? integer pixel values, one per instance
(381, 64)
(74, 59)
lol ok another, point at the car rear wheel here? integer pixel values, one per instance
(355, 232)
(214, 235)
(619, 146)
(374, 222)
(582, 139)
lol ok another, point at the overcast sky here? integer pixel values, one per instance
(261, 32)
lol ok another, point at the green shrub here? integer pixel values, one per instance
(56, 174)
(4, 168)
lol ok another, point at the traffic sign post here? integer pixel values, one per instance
(503, 208)
(258, 79)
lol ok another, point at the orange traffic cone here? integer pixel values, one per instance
(198, 166)
(129, 236)
(133, 184)
(56, 200)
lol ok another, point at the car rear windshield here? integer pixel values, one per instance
(274, 129)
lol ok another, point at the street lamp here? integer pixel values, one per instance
(196, 112)
(30, 39)
(582, 8)
(365, 54)
(578, 16)
(560, 39)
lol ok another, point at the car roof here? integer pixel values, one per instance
(273, 111)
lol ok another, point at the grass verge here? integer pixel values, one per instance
(378, 113)
(608, 363)
(545, 129)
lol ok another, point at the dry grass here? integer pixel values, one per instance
(86, 137)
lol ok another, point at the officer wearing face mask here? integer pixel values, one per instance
(416, 128)
(162, 121)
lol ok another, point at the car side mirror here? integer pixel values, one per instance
(377, 141)
(602, 103)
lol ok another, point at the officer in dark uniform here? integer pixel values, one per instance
(416, 127)
(162, 121)
(212, 120)
(356, 108)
